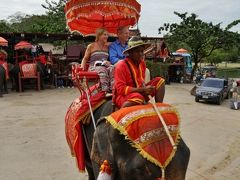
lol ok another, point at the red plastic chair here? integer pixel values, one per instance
(82, 78)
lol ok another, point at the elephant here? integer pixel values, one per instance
(3, 81)
(126, 163)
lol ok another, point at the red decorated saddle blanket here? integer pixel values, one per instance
(28, 69)
(143, 128)
(78, 113)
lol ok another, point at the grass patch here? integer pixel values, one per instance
(228, 72)
(228, 65)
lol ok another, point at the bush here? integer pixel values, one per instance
(157, 68)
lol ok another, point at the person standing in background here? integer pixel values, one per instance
(34, 50)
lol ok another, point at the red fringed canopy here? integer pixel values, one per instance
(85, 16)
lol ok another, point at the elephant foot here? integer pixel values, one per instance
(1, 95)
(17, 89)
(42, 86)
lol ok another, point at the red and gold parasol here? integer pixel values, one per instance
(3, 42)
(22, 45)
(85, 16)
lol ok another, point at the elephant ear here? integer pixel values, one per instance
(101, 146)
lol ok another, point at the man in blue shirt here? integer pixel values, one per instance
(117, 47)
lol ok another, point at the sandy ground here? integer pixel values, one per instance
(33, 145)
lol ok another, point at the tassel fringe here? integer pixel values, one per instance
(105, 171)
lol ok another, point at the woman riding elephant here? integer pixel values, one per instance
(96, 56)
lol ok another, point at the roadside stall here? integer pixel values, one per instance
(180, 67)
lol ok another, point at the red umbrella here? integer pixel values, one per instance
(181, 51)
(23, 45)
(3, 42)
(85, 16)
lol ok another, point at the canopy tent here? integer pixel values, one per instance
(181, 51)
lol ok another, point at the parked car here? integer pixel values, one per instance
(204, 72)
(213, 89)
(209, 71)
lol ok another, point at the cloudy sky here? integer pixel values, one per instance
(154, 12)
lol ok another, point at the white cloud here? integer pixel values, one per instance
(9, 7)
(155, 12)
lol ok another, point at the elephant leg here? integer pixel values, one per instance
(87, 133)
(5, 86)
(89, 166)
(0, 87)
(1, 83)
(14, 74)
(177, 168)
(2, 77)
(102, 150)
(42, 69)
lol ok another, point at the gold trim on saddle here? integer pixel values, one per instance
(140, 143)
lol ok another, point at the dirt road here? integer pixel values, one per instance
(33, 145)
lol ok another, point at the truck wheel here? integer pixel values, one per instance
(196, 99)
(219, 100)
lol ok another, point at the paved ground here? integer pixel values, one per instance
(33, 145)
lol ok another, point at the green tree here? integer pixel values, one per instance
(217, 56)
(199, 37)
(34, 23)
(56, 22)
(51, 22)
(5, 26)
